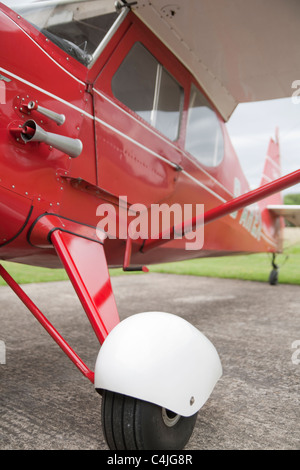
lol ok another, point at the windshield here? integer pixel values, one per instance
(76, 26)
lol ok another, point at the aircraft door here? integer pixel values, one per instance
(139, 105)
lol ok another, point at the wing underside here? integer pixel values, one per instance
(239, 51)
(290, 212)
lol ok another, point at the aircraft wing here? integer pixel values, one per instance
(239, 51)
(289, 212)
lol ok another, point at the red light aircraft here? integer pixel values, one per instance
(110, 111)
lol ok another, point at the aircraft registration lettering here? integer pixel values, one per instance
(251, 220)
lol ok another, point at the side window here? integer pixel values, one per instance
(146, 87)
(204, 137)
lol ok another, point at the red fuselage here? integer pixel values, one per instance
(123, 155)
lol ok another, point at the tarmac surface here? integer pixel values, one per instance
(46, 404)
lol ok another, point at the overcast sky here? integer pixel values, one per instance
(250, 128)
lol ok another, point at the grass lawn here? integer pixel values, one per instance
(254, 267)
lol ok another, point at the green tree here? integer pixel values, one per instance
(292, 199)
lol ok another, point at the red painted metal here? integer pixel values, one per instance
(224, 209)
(120, 153)
(127, 258)
(42, 228)
(14, 212)
(49, 201)
(85, 263)
(47, 325)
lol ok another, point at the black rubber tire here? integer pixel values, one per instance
(273, 278)
(132, 424)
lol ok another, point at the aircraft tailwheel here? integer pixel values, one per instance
(133, 424)
(273, 278)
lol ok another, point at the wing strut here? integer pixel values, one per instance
(86, 266)
(62, 343)
(85, 262)
(224, 209)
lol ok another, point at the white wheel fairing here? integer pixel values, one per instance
(160, 358)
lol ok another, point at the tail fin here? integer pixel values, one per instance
(272, 169)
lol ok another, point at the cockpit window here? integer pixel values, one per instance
(76, 26)
(204, 137)
(147, 88)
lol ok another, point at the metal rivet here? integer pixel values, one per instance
(192, 401)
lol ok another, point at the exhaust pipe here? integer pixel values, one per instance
(31, 132)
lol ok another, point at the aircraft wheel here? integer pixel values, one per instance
(273, 278)
(133, 424)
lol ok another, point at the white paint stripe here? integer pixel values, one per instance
(274, 163)
(125, 136)
(267, 178)
(67, 103)
(204, 186)
(268, 239)
(168, 142)
(216, 195)
(55, 97)
(100, 121)
(263, 235)
(149, 128)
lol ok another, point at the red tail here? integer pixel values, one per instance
(272, 169)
